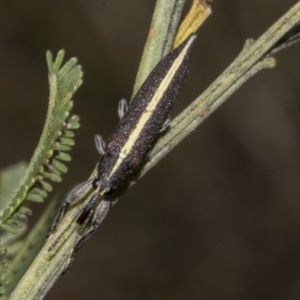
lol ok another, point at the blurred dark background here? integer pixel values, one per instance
(219, 217)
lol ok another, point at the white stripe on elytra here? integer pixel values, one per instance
(151, 107)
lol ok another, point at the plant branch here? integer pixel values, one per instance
(52, 258)
(49, 264)
(163, 27)
(243, 67)
(31, 245)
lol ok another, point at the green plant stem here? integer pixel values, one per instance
(163, 27)
(245, 65)
(30, 247)
(48, 265)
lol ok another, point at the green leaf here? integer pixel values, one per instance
(48, 161)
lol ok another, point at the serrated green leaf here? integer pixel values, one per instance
(63, 83)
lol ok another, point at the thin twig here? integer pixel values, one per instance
(218, 92)
(49, 265)
(163, 27)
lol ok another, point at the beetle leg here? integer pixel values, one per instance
(100, 213)
(88, 209)
(76, 194)
(122, 108)
(100, 144)
(165, 125)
